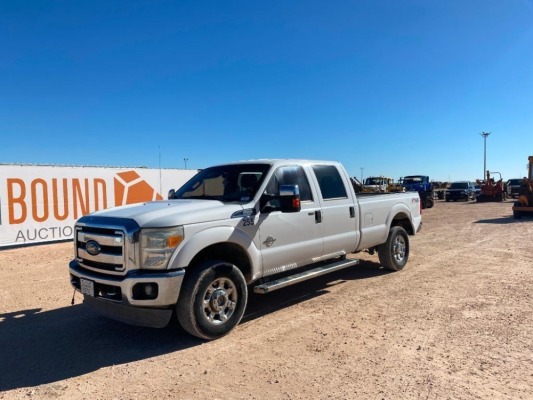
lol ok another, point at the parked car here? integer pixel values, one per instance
(461, 190)
(513, 187)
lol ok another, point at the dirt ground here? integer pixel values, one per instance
(456, 323)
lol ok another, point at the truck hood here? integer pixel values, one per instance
(172, 212)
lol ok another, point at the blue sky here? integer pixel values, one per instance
(396, 87)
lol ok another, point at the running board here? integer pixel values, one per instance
(303, 276)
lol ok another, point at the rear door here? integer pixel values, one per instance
(339, 211)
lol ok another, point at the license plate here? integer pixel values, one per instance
(87, 287)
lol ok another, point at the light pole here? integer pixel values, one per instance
(185, 162)
(362, 169)
(484, 135)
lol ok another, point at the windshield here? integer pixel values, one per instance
(515, 181)
(408, 180)
(459, 185)
(375, 181)
(235, 182)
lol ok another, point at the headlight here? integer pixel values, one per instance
(157, 246)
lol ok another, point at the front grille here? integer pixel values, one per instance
(113, 250)
(106, 249)
(103, 266)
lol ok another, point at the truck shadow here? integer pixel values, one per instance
(41, 347)
(44, 347)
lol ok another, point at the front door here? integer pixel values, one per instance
(290, 240)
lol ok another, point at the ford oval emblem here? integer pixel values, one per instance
(93, 248)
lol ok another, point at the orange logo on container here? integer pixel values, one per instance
(131, 188)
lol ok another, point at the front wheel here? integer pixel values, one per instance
(212, 299)
(394, 253)
(517, 214)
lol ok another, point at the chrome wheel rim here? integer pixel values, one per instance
(399, 248)
(220, 300)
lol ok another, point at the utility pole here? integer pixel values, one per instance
(484, 135)
(160, 182)
(185, 162)
(362, 169)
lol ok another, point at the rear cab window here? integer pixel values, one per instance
(330, 182)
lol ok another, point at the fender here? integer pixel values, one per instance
(184, 254)
(379, 232)
(400, 209)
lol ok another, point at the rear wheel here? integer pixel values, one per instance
(394, 253)
(423, 199)
(212, 299)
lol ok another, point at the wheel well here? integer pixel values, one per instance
(402, 220)
(228, 252)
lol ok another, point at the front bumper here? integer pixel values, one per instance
(457, 196)
(116, 298)
(514, 192)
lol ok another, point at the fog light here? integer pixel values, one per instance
(149, 289)
(145, 291)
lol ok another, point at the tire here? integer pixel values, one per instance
(423, 200)
(394, 253)
(517, 214)
(431, 203)
(212, 299)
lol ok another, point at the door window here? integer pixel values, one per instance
(290, 175)
(330, 182)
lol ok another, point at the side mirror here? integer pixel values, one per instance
(171, 193)
(289, 198)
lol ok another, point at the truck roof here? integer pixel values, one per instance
(282, 161)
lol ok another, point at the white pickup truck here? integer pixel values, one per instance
(259, 225)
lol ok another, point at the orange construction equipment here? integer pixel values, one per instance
(490, 190)
(524, 205)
